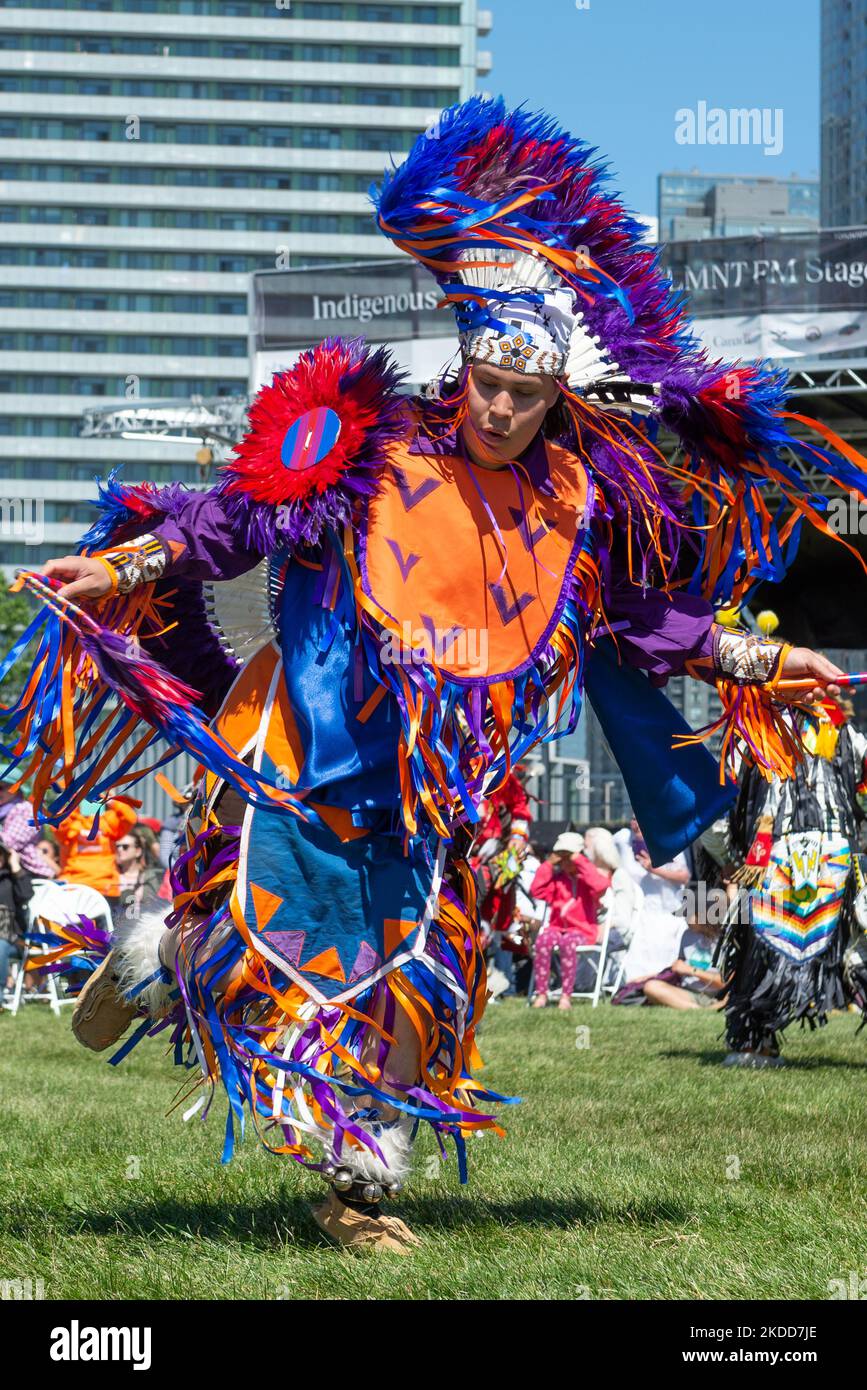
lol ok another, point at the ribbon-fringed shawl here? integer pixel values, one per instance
(460, 739)
(107, 683)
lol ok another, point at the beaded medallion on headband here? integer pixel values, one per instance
(535, 337)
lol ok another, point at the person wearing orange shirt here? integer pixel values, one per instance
(91, 860)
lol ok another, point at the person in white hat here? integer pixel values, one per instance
(572, 887)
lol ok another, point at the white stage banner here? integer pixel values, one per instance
(783, 335)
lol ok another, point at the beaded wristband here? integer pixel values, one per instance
(140, 562)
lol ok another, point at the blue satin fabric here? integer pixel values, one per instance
(675, 792)
(348, 764)
(336, 897)
(345, 898)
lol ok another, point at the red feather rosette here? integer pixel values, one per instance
(316, 443)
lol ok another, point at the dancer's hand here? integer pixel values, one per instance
(82, 576)
(802, 665)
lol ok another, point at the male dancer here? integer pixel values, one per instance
(446, 575)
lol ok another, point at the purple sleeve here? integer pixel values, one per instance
(662, 634)
(201, 542)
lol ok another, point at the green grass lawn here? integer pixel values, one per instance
(635, 1167)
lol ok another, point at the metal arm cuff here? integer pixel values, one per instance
(744, 657)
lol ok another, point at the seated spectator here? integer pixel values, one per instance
(660, 922)
(692, 981)
(622, 902)
(140, 874)
(153, 857)
(90, 860)
(47, 848)
(15, 894)
(618, 909)
(573, 887)
(19, 831)
(529, 916)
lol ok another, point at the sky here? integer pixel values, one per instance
(616, 72)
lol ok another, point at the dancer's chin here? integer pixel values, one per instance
(487, 446)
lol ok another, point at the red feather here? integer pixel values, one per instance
(319, 378)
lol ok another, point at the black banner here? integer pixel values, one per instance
(746, 275)
(385, 301)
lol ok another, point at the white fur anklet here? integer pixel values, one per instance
(393, 1139)
(135, 949)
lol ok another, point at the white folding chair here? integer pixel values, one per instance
(600, 948)
(613, 984)
(62, 903)
(619, 958)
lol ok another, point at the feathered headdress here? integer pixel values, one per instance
(546, 271)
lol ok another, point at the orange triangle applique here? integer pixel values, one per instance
(176, 547)
(340, 821)
(396, 931)
(327, 963)
(265, 904)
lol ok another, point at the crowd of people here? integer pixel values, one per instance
(543, 910)
(764, 916)
(547, 913)
(591, 909)
(587, 915)
(588, 912)
(120, 857)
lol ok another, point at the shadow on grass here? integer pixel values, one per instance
(270, 1223)
(707, 1058)
(457, 1213)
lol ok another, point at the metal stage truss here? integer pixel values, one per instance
(835, 392)
(218, 423)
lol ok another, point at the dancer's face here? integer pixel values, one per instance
(505, 412)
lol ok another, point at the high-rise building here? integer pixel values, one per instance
(695, 206)
(154, 154)
(844, 113)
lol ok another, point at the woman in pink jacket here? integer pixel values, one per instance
(572, 887)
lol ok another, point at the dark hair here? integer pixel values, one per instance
(140, 840)
(148, 843)
(557, 424)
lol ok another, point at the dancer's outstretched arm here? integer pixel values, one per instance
(198, 542)
(675, 634)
